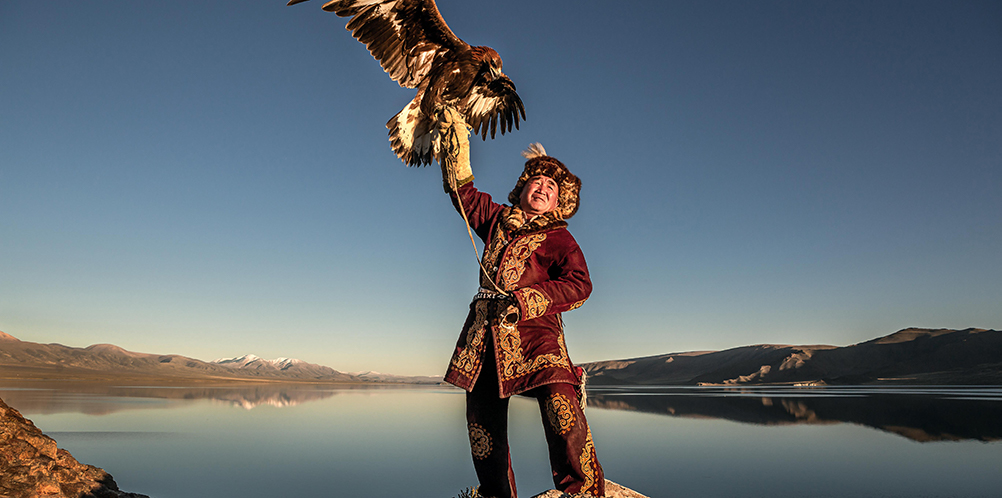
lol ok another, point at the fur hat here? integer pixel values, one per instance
(541, 164)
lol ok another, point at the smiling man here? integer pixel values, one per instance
(539, 196)
(513, 339)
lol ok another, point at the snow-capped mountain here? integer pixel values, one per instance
(289, 366)
(255, 362)
(373, 376)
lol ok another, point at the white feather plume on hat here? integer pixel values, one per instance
(535, 150)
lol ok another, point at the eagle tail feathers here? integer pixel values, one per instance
(412, 134)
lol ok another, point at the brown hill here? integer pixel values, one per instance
(19, 359)
(930, 356)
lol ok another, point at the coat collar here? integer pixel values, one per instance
(514, 224)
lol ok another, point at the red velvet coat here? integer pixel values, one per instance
(544, 267)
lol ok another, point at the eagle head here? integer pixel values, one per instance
(490, 62)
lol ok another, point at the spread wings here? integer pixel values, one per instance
(416, 48)
(405, 36)
(494, 105)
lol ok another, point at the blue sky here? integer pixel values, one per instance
(213, 178)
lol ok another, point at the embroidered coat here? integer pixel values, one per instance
(541, 264)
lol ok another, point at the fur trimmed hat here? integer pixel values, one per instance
(541, 164)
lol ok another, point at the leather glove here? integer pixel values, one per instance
(453, 148)
(506, 311)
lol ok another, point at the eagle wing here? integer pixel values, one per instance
(405, 36)
(493, 105)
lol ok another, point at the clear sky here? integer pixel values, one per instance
(213, 178)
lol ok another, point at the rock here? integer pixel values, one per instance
(32, 466)
(612, 490)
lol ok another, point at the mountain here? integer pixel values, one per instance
(20, 359)
(913, 356)
(400, 379)
(282, 366)
(292, 366)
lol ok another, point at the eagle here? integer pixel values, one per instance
(417, 49)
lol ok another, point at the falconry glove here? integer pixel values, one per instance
(453, 149)
(506, 311)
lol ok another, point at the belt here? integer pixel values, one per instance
(488, 294)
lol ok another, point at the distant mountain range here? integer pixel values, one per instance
(385, 377)
(909, 356)
(20, 359)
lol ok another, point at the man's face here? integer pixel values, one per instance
(539, 195)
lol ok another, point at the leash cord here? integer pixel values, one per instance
(448, 155)
(476, 253)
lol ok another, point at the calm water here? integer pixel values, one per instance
(412, 442)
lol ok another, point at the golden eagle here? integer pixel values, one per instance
(417, 49)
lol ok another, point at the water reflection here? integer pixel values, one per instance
(328, 440)
(104, 399)
(921, 414)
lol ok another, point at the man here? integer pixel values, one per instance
(513, 339)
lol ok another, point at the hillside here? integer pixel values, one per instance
(913, 356)
(20, 359)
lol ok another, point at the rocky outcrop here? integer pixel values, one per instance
(612, 490)
(32, 466)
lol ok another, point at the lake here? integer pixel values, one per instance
(303, 440)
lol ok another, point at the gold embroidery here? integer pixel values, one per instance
(587, 456)
(468, 359)
(491, 254)
(513, 363)
(560, 413)
(536, 303)
(480, 441)
(577, 304)
(514, 265)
